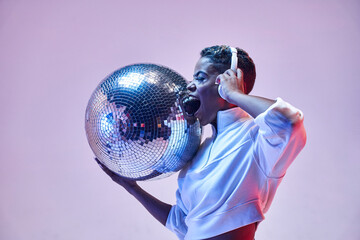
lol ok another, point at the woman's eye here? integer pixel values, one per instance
(199, 78)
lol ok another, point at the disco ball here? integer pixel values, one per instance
(135, 126)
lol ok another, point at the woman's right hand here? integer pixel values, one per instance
(128, 184)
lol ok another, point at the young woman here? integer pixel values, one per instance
(226, 189)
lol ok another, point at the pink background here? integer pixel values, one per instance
(54, 53)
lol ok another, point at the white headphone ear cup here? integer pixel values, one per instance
(220, 91)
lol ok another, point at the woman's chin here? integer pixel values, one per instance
(203, 121)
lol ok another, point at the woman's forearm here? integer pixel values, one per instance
(233, 92)
(154, 206)
(253, 105)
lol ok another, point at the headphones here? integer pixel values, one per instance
(234, 59)
(234, 63)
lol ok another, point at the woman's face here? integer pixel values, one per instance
(203, 88)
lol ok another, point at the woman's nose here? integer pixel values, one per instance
(191, 87)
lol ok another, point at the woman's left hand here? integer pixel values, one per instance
(230, 82)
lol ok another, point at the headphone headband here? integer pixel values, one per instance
(234, 58)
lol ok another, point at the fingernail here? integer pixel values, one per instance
(217, 81)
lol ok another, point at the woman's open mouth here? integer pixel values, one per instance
(191, 104)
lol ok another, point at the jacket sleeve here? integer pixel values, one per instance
(176, 218)
(278, 136)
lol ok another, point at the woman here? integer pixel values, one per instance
(226, 189)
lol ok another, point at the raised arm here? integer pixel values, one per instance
(282, 134)
(155, 207)
(232, 91)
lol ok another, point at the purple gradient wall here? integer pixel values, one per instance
(54, 53)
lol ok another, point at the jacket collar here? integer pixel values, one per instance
(227, 117)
